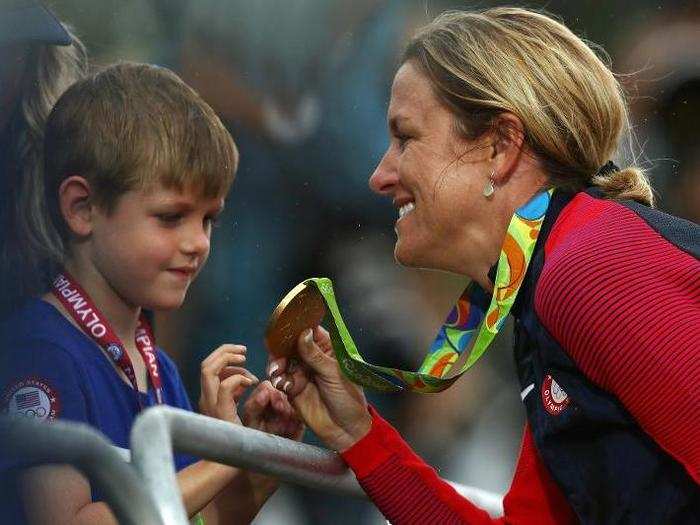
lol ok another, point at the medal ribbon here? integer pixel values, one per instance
(81, 308)
(468, 330)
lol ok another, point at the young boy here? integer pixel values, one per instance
(136, 170)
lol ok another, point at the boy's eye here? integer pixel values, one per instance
(169, 218)
(211, 220)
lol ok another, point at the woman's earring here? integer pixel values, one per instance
(489, 189)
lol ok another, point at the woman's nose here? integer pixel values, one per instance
(385, 176)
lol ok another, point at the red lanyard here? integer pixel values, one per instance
(90, 319)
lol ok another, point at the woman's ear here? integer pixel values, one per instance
(507, 146)
(75, 199)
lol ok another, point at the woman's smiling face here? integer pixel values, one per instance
(434, 176)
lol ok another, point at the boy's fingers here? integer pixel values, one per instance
(228, 371)
(218, 369)
(258, 400)
(232, 388)
(279, 402)
(214, 366)
(228, 348)
(225, 349)
(257, 403)
(263, 393)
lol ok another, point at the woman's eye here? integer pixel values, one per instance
(402, 140)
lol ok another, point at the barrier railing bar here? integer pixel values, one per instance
(152, 456)
(90, 452)
(159, 430)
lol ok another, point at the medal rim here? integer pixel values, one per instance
(272, 330)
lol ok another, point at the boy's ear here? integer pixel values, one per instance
(75, 198)
(507, 146)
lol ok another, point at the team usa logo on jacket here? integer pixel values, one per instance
(32, 398)
(554, 397)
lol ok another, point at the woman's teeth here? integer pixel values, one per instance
(406, 209)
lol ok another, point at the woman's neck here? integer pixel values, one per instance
(478, 270)
(487, 248)
(121, 316)
(476, 250)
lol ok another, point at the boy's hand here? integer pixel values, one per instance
(223, 381)
(268, 409)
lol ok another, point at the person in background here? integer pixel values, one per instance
(666, 103)
(40, 58)
(501, 111)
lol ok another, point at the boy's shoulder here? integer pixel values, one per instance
(39, 370)
(36, 339)
(37, 323)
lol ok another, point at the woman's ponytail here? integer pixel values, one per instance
(628, 183)
(32, 247)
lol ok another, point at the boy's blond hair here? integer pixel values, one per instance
(126, 127)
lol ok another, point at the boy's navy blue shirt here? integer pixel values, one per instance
(50, 370)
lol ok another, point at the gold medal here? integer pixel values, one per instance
(299, 310)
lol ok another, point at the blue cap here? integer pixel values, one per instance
(30, 21)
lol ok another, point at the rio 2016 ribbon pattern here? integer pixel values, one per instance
(468, 330)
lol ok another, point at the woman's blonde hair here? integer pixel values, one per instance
(28, 244)
(507, 59)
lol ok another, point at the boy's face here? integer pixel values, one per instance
(153, 244)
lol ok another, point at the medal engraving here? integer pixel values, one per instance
(301, 309)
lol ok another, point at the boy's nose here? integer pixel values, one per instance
(196, 242)
(385, 176)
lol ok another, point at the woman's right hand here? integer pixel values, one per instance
(332, 406)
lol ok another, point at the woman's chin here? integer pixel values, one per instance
(418, 255)
(404, 255)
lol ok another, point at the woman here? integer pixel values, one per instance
(41, 58)
(488, 110)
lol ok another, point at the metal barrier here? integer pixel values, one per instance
(159, 430)
(147, 491)
(91, 453)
